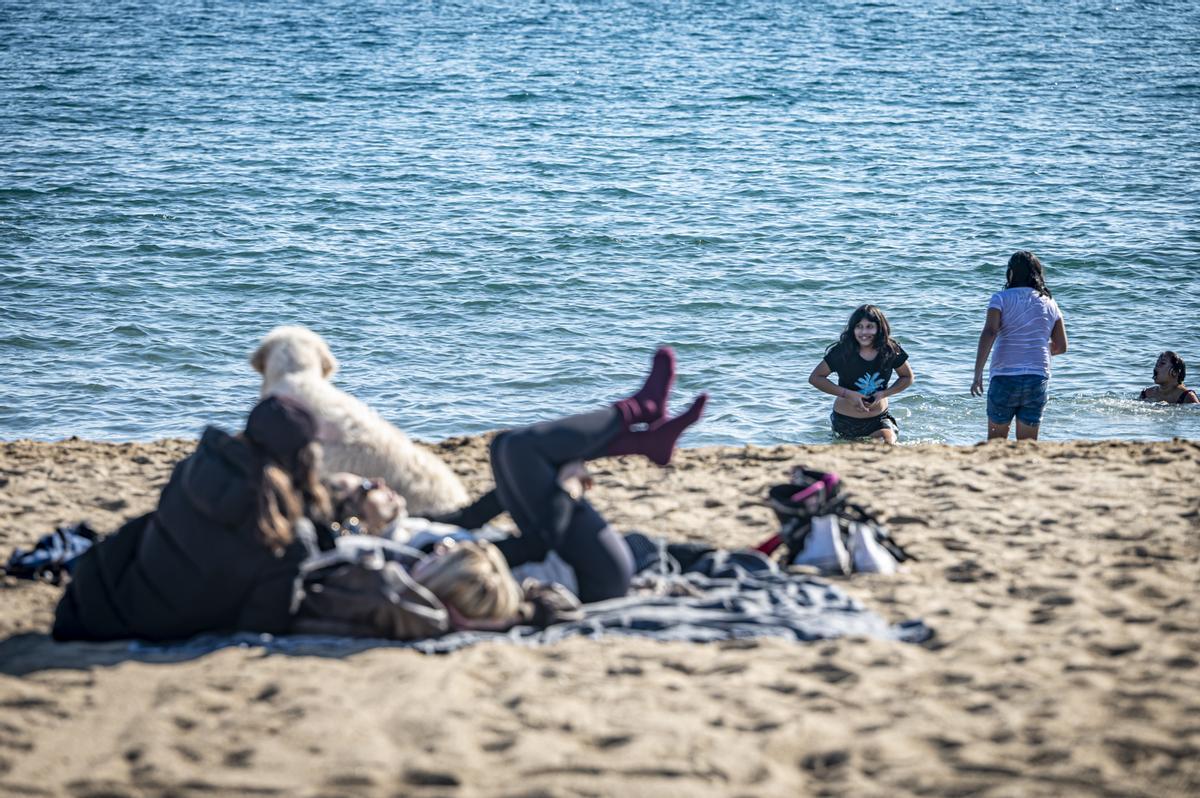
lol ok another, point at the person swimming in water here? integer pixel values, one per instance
(1169, 372)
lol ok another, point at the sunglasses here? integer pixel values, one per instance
(348, 521)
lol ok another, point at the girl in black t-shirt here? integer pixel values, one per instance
(864, 358)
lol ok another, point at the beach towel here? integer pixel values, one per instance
(719, 596)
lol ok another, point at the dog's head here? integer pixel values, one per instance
(291, 350)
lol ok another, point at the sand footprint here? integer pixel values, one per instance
(420, 777)
(826, 765)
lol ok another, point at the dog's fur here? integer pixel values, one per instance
(296, 362)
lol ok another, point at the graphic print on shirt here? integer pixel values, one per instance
(868, 384)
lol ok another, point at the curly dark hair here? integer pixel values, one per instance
(847, 344)
(1025, 271)
(1178, 367)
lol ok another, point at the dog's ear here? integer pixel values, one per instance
(329, 363)
(259, 359)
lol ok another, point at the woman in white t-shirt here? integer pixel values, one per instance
(1026, 327)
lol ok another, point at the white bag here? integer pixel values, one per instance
(824, 548)
(866, 553)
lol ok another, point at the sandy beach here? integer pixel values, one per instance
(1061, 579)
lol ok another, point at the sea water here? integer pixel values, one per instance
(495, 211)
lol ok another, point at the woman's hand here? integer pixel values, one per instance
(858, 401)
(977, 384)
(574, 479)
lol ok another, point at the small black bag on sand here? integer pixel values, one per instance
(53, 554)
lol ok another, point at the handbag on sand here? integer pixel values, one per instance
(361, 589)
(823, 547)
(820, 527)
(810, 494)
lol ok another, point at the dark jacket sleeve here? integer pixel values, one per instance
(194, 566)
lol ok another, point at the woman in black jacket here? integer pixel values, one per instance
(218, 553)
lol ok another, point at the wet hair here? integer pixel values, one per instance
(283, 497)
(475, 579)
(847, 343)
(1178, 367)
(1025, 271)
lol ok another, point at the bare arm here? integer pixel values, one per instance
(1058, 338)
(991, 328)
(904, 379)
(819, 379)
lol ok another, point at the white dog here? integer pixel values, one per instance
(296, 362)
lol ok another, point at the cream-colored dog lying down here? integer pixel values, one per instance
(296, 362)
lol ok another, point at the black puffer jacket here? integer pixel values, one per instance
(193, 565)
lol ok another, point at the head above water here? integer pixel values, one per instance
(870, 314)
(1025, 271)
(1169, 368)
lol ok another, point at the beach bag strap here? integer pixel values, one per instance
(811, 494)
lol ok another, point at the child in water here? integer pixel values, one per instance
(864, 358)
(1026, 327)
(1169, 371)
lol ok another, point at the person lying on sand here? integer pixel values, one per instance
(1169, 371)
(539, 482)
(220, 552)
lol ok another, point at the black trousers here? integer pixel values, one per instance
(525, 465)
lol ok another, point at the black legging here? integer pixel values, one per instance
(525, 465)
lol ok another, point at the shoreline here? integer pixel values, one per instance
(1060, 579)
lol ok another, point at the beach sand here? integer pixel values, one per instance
(1061, 578)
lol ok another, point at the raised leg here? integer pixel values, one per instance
(549, 520)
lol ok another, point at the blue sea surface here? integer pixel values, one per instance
(495, 211)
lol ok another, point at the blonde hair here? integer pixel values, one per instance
(474, 578)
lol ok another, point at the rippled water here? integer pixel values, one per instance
(495, 211)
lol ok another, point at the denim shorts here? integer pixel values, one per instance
(1022, 395)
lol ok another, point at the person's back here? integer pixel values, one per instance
(193, 565)
(1026, 321)
(1025, 327)
(219, 553)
